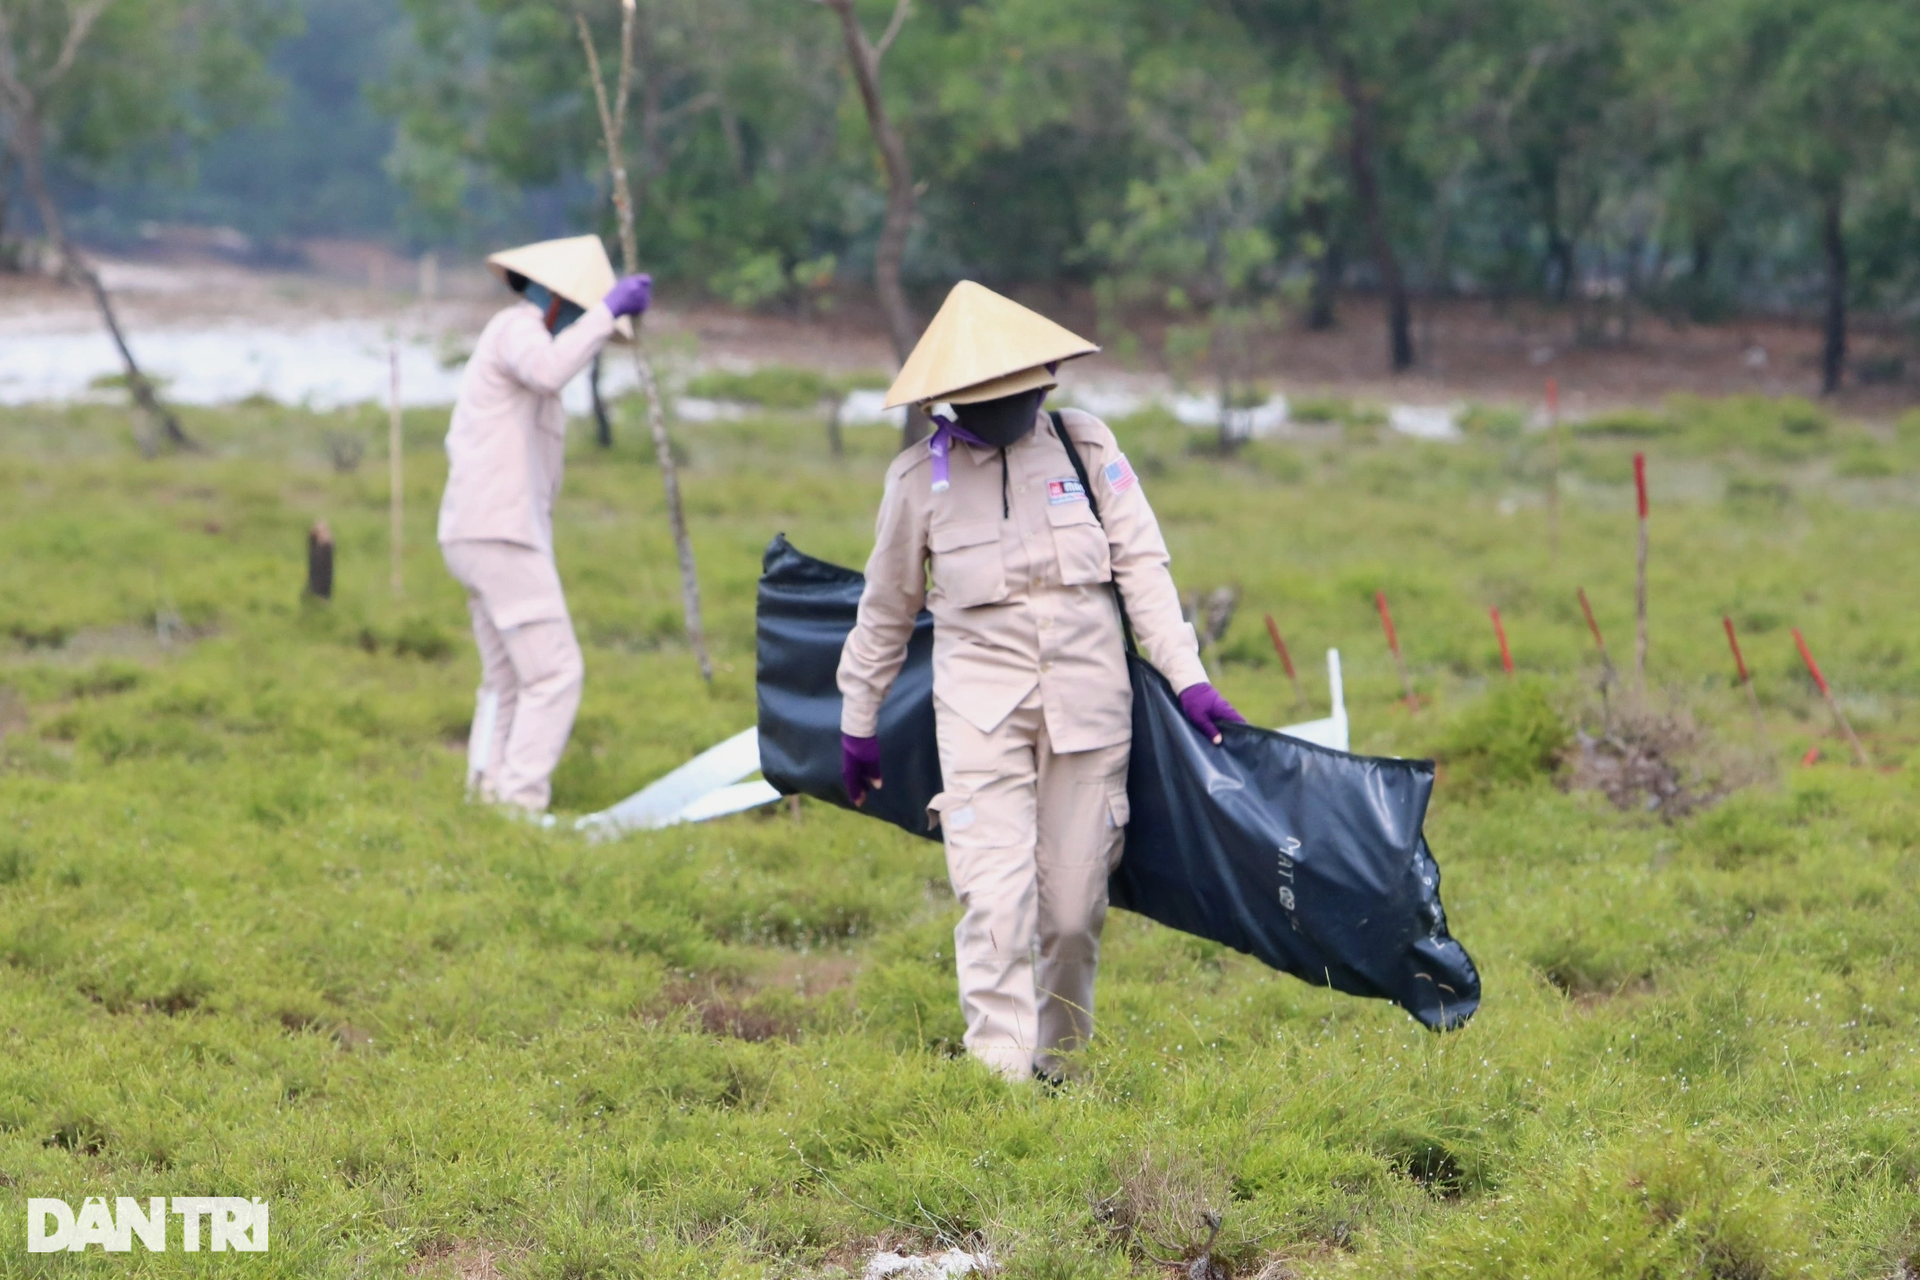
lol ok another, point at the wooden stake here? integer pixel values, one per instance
(396, 469)
(1286, 659)
(1640, 576)
(833, 403)
(320, 561)
(1839, 716)
(1553, 473)
(1500, 632)
(1393, 643)
(613, 119)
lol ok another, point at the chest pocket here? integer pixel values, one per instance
(1081, 545)
(968, 568)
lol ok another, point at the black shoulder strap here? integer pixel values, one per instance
(1093, 503)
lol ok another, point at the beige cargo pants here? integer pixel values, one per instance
(1031, 837)
(531, 671)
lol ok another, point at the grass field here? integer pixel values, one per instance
(253, 943)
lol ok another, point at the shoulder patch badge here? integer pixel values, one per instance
(1120, 477)
(1061, 492)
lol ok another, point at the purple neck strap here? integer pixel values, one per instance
(946, 431)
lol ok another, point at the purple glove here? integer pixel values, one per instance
(630, 296)
(859, 765)
(1208, 710)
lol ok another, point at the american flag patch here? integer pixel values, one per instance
(1120, 477)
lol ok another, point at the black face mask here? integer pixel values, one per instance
(559, 312)
(1001, 422)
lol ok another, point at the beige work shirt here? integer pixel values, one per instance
(508, 443)
(1019, 600)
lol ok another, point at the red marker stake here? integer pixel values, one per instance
(1500, 632)
(1813, 669)
(1746, 681)
(1607, 673)
(1599, 642)
(1640, 575)
(1746, 676)
(1553, 473)
(1286, 659)
(1393, 643)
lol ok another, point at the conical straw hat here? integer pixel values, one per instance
(979, 337)
(575, 268)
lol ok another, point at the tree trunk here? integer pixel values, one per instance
(1560, 262)
(162, 424)
(1833, 356)
(1366, 191)
(613, 118)
(1323, 292)
(864, 58)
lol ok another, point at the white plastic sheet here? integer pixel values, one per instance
(1425, 422)
(868, 409)
(710, 785)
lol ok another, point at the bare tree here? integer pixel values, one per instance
(1362, 165)
(23, 91)
(613, 123)
(1833, 242)
(864, 56)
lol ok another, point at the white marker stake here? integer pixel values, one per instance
(1332, 731)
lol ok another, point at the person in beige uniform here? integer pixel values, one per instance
(506, 450)
(988, 524)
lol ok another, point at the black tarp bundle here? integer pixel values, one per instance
(1309, 859)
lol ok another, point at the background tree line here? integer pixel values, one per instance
(1221, 160)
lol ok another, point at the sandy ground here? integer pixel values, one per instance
(219, 332)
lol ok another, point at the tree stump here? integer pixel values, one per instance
(320, 561)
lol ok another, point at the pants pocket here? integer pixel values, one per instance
(951, 812)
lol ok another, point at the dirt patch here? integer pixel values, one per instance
(352, 1039)
(1466, 348)
(144, 645)
(768, 1004)
(13, 713)
(1585, 995)
(724, 1010)
(810, 975)
(1658, 762)
(461, 1260)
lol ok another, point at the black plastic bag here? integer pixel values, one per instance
(1309, 859)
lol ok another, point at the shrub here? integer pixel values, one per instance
(1335, 409)
(771, 386)
(1493, 421)
(1631, 424)
(1865, 462)
(1513, 737)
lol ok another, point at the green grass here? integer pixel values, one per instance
(779, 386)
(252, 941)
